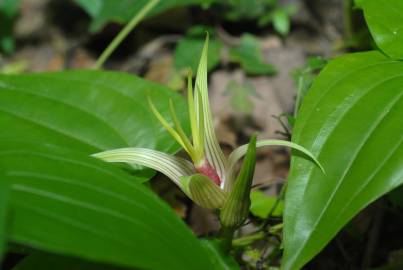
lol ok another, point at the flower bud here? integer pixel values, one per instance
(236, 207)
(203, 191)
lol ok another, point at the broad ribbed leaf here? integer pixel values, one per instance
(351, 119)
(71, 204)
(385, 21)
(88, 111)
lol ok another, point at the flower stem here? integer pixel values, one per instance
(123, 33)
(227, 234)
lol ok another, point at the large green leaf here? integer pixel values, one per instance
(3, 210)
(220, 259)
(385, 21)
(67, 203)
(122, 11)
(45, 261)
(351, 119)
(88, 111)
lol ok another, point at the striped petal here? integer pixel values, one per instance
(213, 152)
(241, 151)
(171, 166)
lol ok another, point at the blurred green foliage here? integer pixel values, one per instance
(262, 205)
(8, 14)
(249, 55)
(103, 11)
(241, 96)
(189, 47)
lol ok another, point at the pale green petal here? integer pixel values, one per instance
(212, 149)
(240, 152)
(171, 166)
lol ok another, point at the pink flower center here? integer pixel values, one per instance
(209, 171)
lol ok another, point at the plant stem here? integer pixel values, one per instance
(124, 32)
(227, 234)
(348, 19)
(248, 239)
(274, 207)
(299, 95)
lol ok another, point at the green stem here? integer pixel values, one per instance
(274, 207)
(124, 32)
(227, 234)
(348, 19)
(248, 239)
(299, 95)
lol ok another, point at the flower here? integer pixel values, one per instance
(209, 177)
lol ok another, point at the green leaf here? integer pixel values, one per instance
(68, 203)
(103, 11)
(241, 96)
(385, 22)
(187, 51)
(238, 10)
(359, 3)
(221, 259)
(262, 205)
(281, 21)
(351, 119)
(8, 14)
(248, 54)
(45, 261)
(88, 111)
(4, 191)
